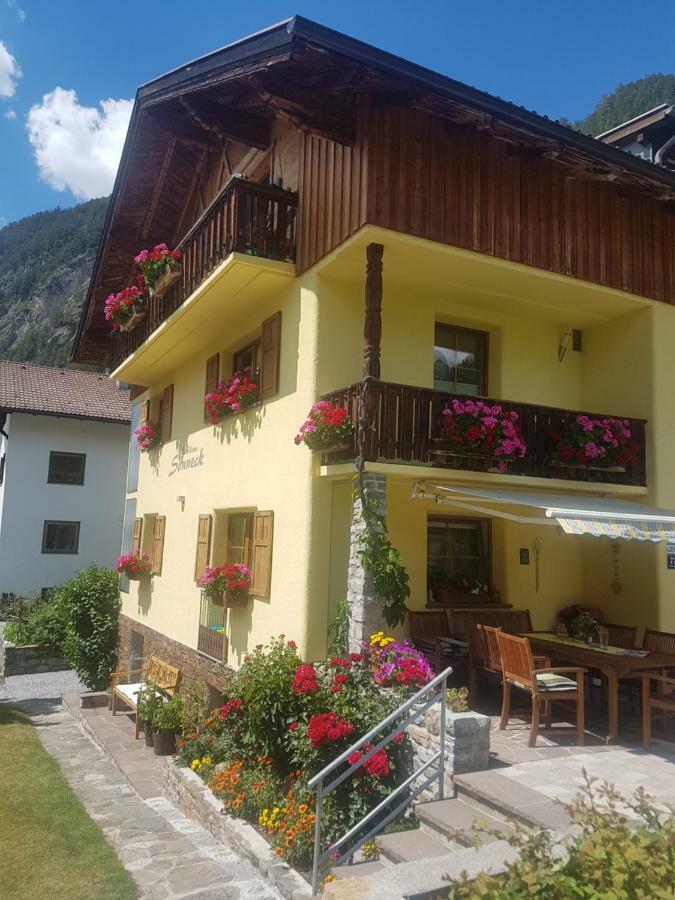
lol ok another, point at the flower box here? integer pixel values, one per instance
(126, 308)
(159, 269)
(326, 428)
(605, 444)
(233, 396)
(479, 436)
(475, 462)
(583, 468)
(136, 566)
(168, 278)
(226, 586)
(136, 317)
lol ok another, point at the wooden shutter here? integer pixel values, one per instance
(138, 534)
(212, 376)
(158, 544)
(269, 356)
(203, 545)
(263, 528)
(145, 411)
(166, 413)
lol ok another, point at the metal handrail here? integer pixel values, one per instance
(431, 693)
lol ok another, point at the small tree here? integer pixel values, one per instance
(91, 603)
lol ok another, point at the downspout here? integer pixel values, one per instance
(661, 152)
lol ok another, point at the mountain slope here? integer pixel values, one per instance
(628, 101)
(45, 265)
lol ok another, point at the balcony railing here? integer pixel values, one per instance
(246, 217)
(211, 639)
(404, 426)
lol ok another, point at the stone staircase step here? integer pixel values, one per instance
(407, 846)
(457, 819)
(357, 870)
(511, 799)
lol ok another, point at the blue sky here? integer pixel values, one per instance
(59, 146)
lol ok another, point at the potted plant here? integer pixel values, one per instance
(148, 701)
(166, 722)
(159, 268)
(596, 443)
(149, 435)
(126, 308)
(134, 565)
(327, 427)
(581, 622)
(226, 585)
(479, 435)
(232, 396)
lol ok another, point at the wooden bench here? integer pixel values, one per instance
(430, 633)
(157, 672)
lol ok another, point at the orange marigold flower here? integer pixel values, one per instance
(278, 851)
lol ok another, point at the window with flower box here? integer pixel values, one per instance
(458, 559)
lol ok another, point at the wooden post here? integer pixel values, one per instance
(372, 331)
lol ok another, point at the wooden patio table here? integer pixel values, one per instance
(614, 663)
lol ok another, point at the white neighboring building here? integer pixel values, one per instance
(64, 442)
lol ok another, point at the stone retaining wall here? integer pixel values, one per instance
(30, 660)
(467, 744)
(191, 796)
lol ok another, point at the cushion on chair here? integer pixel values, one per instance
(549, 681)
(128, 692)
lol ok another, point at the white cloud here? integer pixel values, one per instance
(9, 72)
(78, 148)
(10, 114)
(20, 13)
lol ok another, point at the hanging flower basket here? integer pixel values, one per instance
(478, 436)
(135, 565)
(126, 308)
(232, 396)
(327, 427)
(160, 269)
(148, 436)
(603, 444)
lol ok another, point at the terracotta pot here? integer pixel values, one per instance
(164, 743)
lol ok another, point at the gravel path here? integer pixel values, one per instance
(43, 686)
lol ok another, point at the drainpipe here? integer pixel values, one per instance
(661, 152)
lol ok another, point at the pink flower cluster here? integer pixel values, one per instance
(605, 441)
(120, 307)
(399, 663)
(153, 263)
(231, 396)
(325, 426)
(135, 564)
(233, 579)
(148, 435)
(476, 426)
(231, 708)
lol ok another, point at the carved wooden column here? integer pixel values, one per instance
(372, 331)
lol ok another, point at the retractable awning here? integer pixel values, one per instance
(574, 513)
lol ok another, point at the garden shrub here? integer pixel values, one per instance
(282, 722)
(621, 849)
(90, 603)
(42, 623)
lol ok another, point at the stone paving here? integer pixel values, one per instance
(168, 855)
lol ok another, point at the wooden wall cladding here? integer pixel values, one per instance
(473, 191)
(332, 187)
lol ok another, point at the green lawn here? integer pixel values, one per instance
(49, 847)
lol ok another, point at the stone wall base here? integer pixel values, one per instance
(30, 660)
(191, 796)
(194, 666)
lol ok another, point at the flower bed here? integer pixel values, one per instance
(283, 721)
(159, 267)
(601, 443)
(326, 426)
(231, 396)
(134, 565)
(230, 582)
(475, 427)
(126, 308)
(149, 435)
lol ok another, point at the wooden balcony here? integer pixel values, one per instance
(404, 425)
(258, 220)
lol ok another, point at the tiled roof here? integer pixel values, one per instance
(62, 392)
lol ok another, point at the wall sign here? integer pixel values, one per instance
(189, 458)
(670, 555)
(524, 556)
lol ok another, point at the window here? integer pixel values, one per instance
(66, 468)
(239, 534)
(134, 449)
(456, 549)
(129, 534)
(460, 360)
(60, 537)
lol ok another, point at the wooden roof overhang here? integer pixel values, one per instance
(313, 77)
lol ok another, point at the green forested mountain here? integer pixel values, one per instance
(45, 264)
(628, 101)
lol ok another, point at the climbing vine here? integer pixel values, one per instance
(381, 560)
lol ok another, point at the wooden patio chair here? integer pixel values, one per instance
(662, 702)
(544, 685)
(430, 633)
(484, 655)
(659, 641)
(620, 635)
